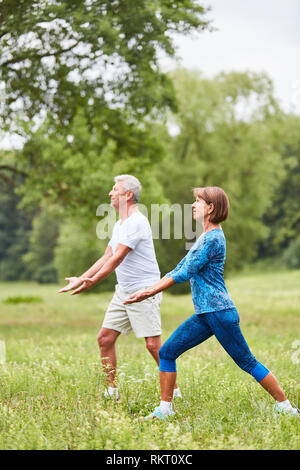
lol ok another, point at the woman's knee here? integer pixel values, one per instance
(253, 367)
(166, 352)
(167, 359)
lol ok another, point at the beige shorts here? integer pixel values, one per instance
(141, 317)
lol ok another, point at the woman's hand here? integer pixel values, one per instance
(140, 296)
(73, 283)
(86, 284)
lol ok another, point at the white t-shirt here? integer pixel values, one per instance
(139, 268)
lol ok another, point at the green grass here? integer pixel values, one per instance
(51, 387)
(21, 300)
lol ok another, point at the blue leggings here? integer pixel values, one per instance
(196, 329)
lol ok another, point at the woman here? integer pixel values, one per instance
(215, 312)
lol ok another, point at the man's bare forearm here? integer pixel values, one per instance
(98, 265)
(108, 267)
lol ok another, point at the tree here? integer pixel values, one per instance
(15, 227)
(43, 237)
(57, 56)
(77, 250)
(75, 171)
(227, 137)
(283, 216)
(89, 65)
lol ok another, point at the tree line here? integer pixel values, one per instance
(83, 86)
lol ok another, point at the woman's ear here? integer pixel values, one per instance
(213, 208)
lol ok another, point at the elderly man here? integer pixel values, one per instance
(131, 253)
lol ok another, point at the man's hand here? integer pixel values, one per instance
(73, 283)
(86, 284)
(140, 296)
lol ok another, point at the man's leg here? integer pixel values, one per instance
(115, 322)
(106, 342)
(153, 344)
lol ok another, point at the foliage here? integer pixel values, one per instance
(99, 55)
(227, 137)
(81, 82)
(283, 215)
(15, 227)
(77, 250)
(19, 299)
(291, 255)
(86, 74)
(231, 134)
(75, 171)
(43, 238)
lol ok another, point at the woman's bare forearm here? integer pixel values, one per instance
(159, 286)
(164, 283)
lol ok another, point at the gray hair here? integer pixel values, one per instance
(131, 183)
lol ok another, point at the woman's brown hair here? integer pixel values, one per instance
(216, 196)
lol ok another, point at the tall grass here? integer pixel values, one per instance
(51, 387)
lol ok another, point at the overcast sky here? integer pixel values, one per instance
(258, 35)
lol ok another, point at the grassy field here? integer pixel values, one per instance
(51, 386)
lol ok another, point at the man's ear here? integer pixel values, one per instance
(130, 195)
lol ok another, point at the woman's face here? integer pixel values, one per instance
(201, 209)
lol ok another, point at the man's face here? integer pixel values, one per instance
(118, 195)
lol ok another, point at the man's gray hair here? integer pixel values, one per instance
(131, 183)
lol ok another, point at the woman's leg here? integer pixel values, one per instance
(225, 325)
(167, 383)
(272, 386)
(191, 333)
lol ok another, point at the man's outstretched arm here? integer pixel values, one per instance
(108, 267)
(75, 282)
(98, 265)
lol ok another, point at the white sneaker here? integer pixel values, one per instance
(177, 393)
(112, 393)
(286, 409)
(158, 414)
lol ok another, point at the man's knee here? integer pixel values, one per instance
(153, 344)
(105, 340)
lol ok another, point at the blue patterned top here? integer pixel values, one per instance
(203, 266)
